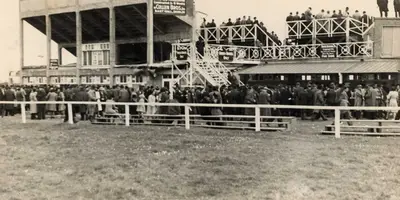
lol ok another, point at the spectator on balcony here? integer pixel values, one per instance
(320, 15)
(255, 21)
(357, 15)
(229, 23)
(340, 14)
(249, 21)
(308, 14)
(212, 24)
(296, 17)
(334, 15)
(396, 4)
(303, 16)
(243, 21)
(346, 12)
(383, 7)
(290, 17)
(328, 15)
(238, 22)
(204, 23)
(365, 18)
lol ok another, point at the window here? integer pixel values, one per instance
(351, 77)
(325, 77)
(122, 79)
(282, 78)
(40, 80)
(139, 79)
(389, 77)
(306, 77)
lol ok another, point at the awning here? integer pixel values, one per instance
(391, 66)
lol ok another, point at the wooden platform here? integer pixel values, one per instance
(366, 128)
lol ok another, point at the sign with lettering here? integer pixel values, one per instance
(225, 55)
(170, 7)
(328, 51)
(54, 64)
(182, 53)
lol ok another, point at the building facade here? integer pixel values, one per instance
(115, 41)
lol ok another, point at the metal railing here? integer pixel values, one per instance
(291, 52)
(257, 116)
(328, 27)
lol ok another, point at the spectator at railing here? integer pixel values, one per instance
(357, 15)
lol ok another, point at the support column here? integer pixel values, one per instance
(21, 47)
(78, 46)
(193, 49)
(48, 54)
(60, 55)
(112, 45)
(150, 33)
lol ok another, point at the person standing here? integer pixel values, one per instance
(383, 7)
(396, 4)
(392, 99)
(41, 108)
(52, 108)
(33, 106)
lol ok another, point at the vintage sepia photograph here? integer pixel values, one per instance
(200, 100)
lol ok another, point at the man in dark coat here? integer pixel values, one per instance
(69, 96)
(9, 96)
(41, 108)
(396, 4)
(383, 7)
(82, 95)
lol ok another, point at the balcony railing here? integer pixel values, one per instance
(329, 27)
(238, 33)
(292, 52)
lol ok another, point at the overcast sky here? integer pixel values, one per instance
(271, 12)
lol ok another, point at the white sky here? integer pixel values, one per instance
(271, 12)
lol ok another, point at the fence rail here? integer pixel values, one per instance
(187, 106)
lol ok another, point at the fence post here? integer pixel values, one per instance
(187, 118)
(23, 113)
(257, 119)
(127, 118)
(70, 114)
(337, 123)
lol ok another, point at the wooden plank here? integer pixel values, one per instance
(361, 133)
(380, 127)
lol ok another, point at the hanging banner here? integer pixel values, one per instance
(170, 7)
(225, 55)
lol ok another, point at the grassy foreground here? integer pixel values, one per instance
(50, 160)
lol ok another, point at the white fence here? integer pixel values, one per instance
(257, 116)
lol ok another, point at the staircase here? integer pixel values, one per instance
(212, 70)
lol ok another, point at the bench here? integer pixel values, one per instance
(366, 127)
(267, 123)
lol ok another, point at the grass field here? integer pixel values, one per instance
(51, 160)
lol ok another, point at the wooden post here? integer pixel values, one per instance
(257, 119)
(187, 117)
(70, 114)
(127, 117)
(21, 48)
(23, 113)
(112, 45)
(60, 54)
(337, 123)
(48, 48)
(78, 46)
(150, 33)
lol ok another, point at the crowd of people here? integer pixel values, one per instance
(326, 14)
(244, 21)
(310, 94)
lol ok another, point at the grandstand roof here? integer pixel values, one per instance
(376, 66)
